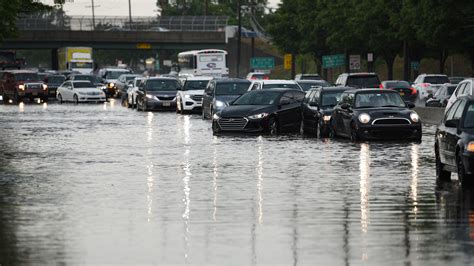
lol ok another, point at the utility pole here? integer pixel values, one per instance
(239, 44)
(130, 12)
(93, 13)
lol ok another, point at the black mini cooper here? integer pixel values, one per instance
(375, 114)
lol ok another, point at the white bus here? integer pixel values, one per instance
(209, 62)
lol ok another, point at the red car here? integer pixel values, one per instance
(17, 85)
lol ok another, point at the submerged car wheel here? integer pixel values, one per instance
(354, 135)
(463, 177)
(273, 127)
(76, 99)
(441, 174)
(215, 128)
(323, 132)
(302, 132)
(60, 99)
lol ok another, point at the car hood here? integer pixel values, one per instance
(87, 90)
(194, 92)
(245, 110)
(227, 99)
(162, 93)
(385, 112)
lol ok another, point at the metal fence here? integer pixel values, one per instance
(160, 24)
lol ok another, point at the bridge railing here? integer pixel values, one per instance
(157, 24)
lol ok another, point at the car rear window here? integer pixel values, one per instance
(451, 90)
(230, 88)
(26, 77)
(436, 79)
(310, 77)
(56, 79)
(366, 81)
(397, 84)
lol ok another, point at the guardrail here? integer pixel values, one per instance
(55, 22)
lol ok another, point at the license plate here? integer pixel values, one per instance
(402, 94)
(166, 104)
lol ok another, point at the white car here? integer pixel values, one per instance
(189, 97)
(79, 91)
(426, 84)
(274, 83)
(464, 88)
(132, 92)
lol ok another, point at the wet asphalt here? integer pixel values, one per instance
(103, 184)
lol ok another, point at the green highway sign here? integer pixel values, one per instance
(262, 62)
(331, 61)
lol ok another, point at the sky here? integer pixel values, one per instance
(141, 8)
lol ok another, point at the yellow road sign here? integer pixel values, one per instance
(288, 61)
(143, 46)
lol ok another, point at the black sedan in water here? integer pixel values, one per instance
(375, 114)
(317, 108)
(272, 111)
(454, 142)
(157, 94)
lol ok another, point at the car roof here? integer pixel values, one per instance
(276, 81)
(231, 80)
(395, 80)
(312, 81)
(434, 75)
(116, 69)
(80, 81)
(339, 88)
(21, 71)
(361, 74)
(161, 78)
(371, 90)
(279, 90)
(198, 78)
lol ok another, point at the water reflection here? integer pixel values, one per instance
(260, 179)
(414, 177)
(150, 166)
(364, 185)
(21, 107)
(215, 177)
(186, 166)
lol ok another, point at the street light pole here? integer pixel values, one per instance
(130, 12)
(239, 38)
(93, 16)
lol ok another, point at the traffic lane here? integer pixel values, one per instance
(105, 184)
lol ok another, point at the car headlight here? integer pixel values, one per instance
(215, 117)
(364, 118)
(45, 87)
(21, 87)
(111, 85)
(187, 96)
(470, 146)
(220, 104)
(326, 118)
(149, 96)
(82, 93)
(258, 116)
(415, 117)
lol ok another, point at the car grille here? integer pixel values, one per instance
(197, 98)
(232, 123)
(391, 121)
(93, 93)
(163, 98)
(33, 86)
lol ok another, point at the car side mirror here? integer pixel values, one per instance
(345, 106)
(452, 123)
(410, 105)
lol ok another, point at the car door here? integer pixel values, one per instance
(305, 107)
(450, 134)
(206, 98)
(336, 118)
(442, 133)
(298, 98)
(313, 112)
(285, 107)
(346, 115)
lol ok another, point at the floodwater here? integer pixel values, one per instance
(103, 184)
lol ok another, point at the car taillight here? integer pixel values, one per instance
(424, 85)
(381, 86)
(253, 78)
(266, 78)
(413, 91)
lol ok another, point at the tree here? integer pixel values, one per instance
(10, 11)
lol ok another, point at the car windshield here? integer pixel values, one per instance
(83, 84)
(56, 79)
(286, 86)
(231, 88)
(308, 85)
(195, 85)
(310, 77)
(451, 90)
(114, 74)
(26, 77)
(366, 81)
(376, 99)
(162, 85)
(330, 98)
(436, 79)
(258, 98)
(397, 84)
(85, 77)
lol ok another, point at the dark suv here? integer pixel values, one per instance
(20, 84)
(359, 80)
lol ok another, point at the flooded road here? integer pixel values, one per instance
(103, 184)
